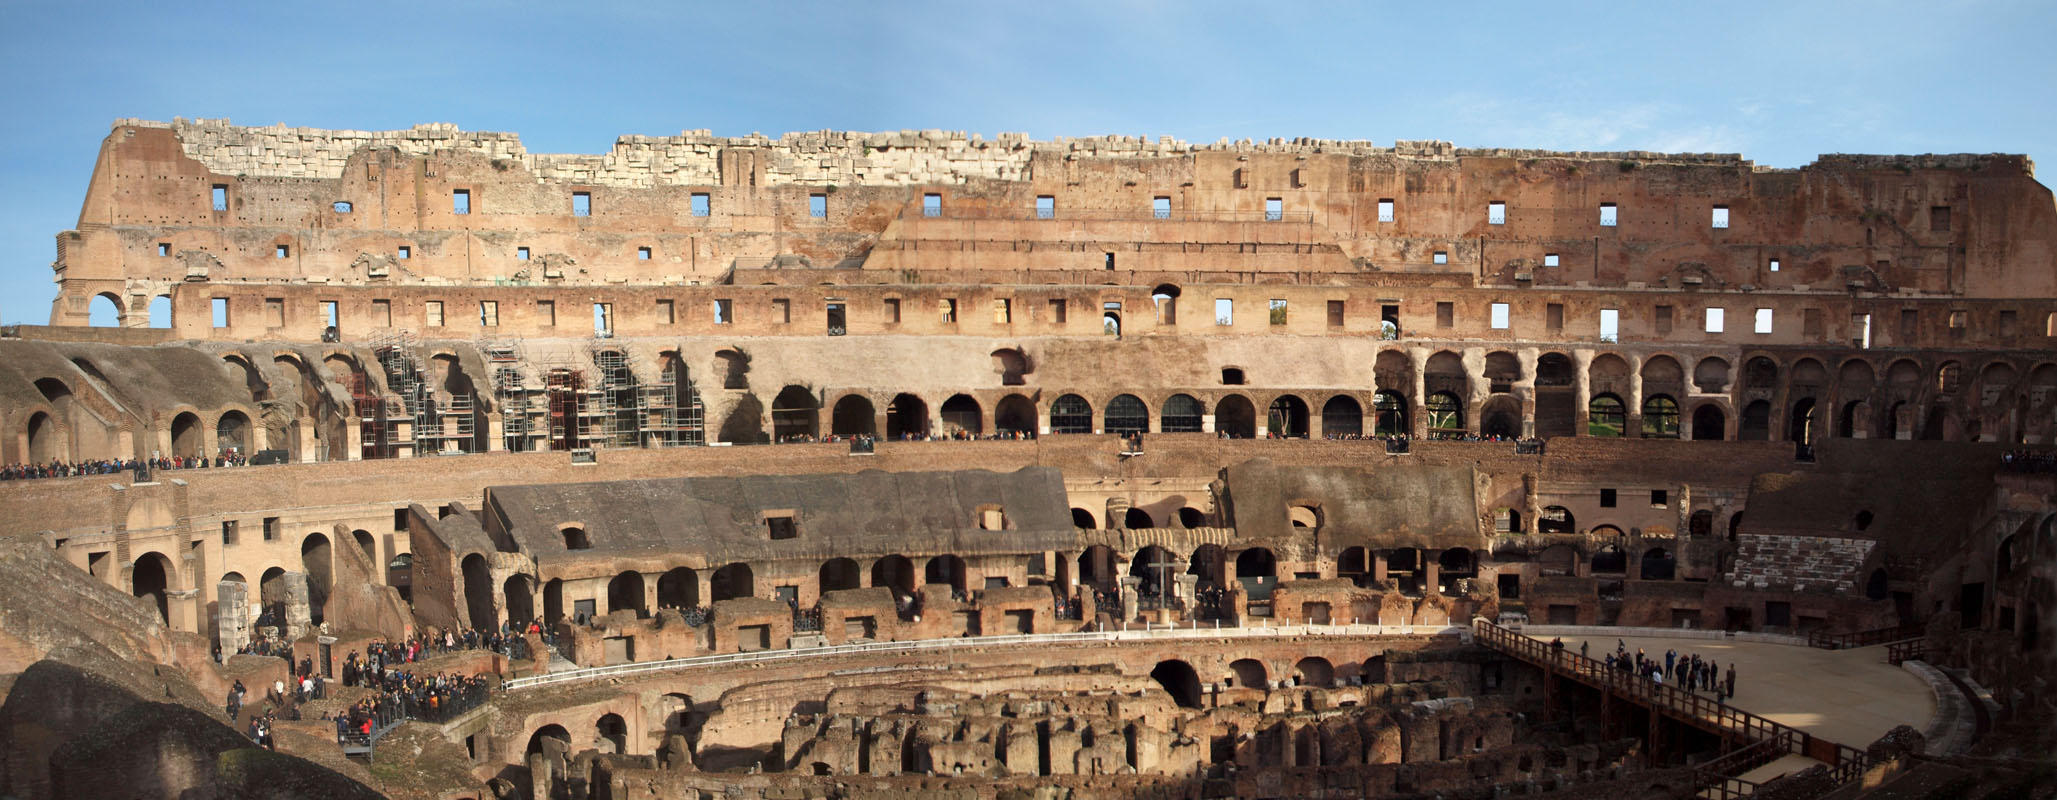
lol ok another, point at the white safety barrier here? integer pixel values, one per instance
(980, 642)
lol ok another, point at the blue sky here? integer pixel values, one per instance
(1777, 82)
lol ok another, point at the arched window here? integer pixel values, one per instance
(1660, 418)
(1391, 414)
(1126, 414)
(1071, 414)
(1605, 416)
(1181, 415)
(1445, 414)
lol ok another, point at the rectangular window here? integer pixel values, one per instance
(1224, 311)
(667, 312)
(228, 531)
(818, 206)
(382, 313)
(1003, 311)
(603, 320)
(1046, 206)
(1714, 319)
(275, 312)
(932, 205)
(489, 314)
(723, 312)
(1660, 498)
(1763, 323)
(947, 307)
(1610, 325)
(1661, 319)
(782, 311)
(1500, 316)
(328, 313)
(892, 310)
(1910, 322)
(702, 205)
(2010, 323)
(342, 206)
(1057, 311)
(221, 197)
(1278, 311)
(1811, 323)
(1774, 265)
(405, 252)
(1496, 213)
(582, 204)
(1553, 316)
(435, 313)
(1335, 313)
(1606, 498)
(1958, 319)
(282, 251)
(1720, 216)
(1549, 259)
(163, 249)
(1446, 315)
(271, 529)
(1160, 207)
(547, 311)
(781, 527)
(460, 201)
(1385, 209)
(1860, 331)
(1274, 209)
(642, 254)
(521, 253)
(1441, 257)
(1607, 215)
(1939, 218)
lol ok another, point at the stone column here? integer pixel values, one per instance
(1417, 412)
(232, 615)
(1582, 383)
(1378, 565)
(1632, 425)
(1476, 390)
(1129, 601)
(1526, 390)
(298, 615)
(1431, 571)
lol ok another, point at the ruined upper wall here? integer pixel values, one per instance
(901, 158)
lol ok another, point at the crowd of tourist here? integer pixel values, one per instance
(402, 695)
(1690, 672)
(864, 438)
(110, 466)
(2029, 461)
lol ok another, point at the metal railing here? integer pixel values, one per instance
(1844, 762)
(1843, 641)
(1909, 650)
(973, 642)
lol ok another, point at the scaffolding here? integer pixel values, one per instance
(390, 420)
(523, 407)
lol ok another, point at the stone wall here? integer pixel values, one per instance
(1800, 563)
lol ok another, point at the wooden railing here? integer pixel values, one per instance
(1721, 719)
(1841, 641)
(1909, 650)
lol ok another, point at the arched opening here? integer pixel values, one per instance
(839, 574)
(1096, 567)
(733, 581)
(1800, 422)
(1181, 414)
(1760, 373)
(1354, 565)
(1071, 414)
(1877, 587)
(1556, 519)
(1610, 560)
(232, 432)
(795, 414)
(1165, 296)
(1126, 414)
(1374, 672)
(1235, 417)
(1701, 524)
(1556, 394)
(611, 734)
(1232, 376)
(1208, 565)
(271, 591)
(894, 572)
(1012, 365)
(1314, 671)
(160, 311)
(1153, 567)
(1015, 415)
(186, 435)
(1137, 519)
(907, 417)
(1710, 376)
(1756, 426)
(1445, 415)
(151, 579)
(553, 601)
(853, 416)
(625, 591)
(1249, 673)
(478, 590)
(106, 311)
(945, 570)
(315, 561)
(962, 415)
(367, 545)
(1456, 568)
(1256, 564)
(734, 367)
(1658, 564)
(1605, 416)
(540, 742)
(745, 422)
(1862, 520)
(1083, 520)
(1110, 323)
(678, 587)
(520, 594)
(1342, 417)
(43, 438)
(1660, 417)
(1180, 681)
(1190, 517)
(575, 538)
(1500, 416)
(1709, 423)
(1389, 411)
(1304, 515)
(1735, 524)
(1287, 418)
